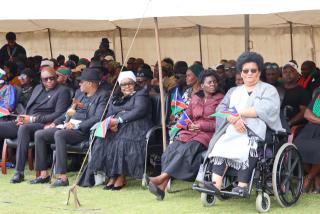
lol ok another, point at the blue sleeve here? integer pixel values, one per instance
(12, 96)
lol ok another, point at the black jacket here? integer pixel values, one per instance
(94, 111)
(132, 108)
(53, 106)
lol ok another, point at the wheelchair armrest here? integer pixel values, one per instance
(153, 129)
(281, 133)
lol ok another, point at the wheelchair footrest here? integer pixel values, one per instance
(222, 193)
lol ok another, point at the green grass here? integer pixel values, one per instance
(25, 198)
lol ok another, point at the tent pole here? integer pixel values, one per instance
(163, 118)
(291, 39)
(246, 33)
(49, 36)
(200, 42)
(313, 50)
(121, 45)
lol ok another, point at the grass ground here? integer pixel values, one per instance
(25, 198)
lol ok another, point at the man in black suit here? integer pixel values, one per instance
(88, 106)
(47, 102)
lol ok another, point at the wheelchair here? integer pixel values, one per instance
(278, 173)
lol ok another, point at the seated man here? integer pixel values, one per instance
(88, 107)
(295, 97)
(47, 102)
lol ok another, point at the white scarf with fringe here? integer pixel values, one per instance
(233, 147)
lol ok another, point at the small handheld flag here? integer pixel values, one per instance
(177, 103)
(102, 128)
(226, 113)
(4, 112)
(182, 123)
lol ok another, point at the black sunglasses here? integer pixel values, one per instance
(253, 71)
(46, 79)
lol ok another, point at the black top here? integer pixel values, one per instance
(17, 50)
(295, 97)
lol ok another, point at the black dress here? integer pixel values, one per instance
(123, 152)
(308, 141)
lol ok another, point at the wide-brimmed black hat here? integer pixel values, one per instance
(89, 74)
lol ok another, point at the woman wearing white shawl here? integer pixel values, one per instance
(233, 144)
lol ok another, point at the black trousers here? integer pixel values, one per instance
(61, 138)
(243, 175)
(24, 134)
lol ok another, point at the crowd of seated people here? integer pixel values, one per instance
(43, 92)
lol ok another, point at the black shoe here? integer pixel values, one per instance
(118, 187)
(17, 178)
(241, 190)
(209, 185)
(40, 180)
(60, 183)
(147, 179)
(154, 189)
(108, 187)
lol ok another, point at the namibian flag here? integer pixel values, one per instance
(102, 128)
(226, 113)
(4, 112)
(182, 123)
(177, 103)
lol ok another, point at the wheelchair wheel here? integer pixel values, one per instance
(208, 200)
(263, 202)
(287, 175)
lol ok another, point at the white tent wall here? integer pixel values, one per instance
(180, 43)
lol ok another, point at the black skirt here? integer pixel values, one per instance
(120, 153)
(308, 143)
(182, 160)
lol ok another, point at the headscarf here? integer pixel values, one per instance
(196, 69)
(64, 71)
(126, 74)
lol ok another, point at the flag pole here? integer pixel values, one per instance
(163, 117)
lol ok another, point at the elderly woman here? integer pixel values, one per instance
(258, 107)
(308, 143)
(182, 158)
(121, 153)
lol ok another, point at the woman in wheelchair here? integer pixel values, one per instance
(182, 158)
(257, 106)
(308, 143)
(121, 153)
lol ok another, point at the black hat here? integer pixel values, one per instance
(145, 73)
(89, 74)
(28, 72)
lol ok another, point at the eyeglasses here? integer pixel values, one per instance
(127, 84)
(253, 71)
(272, 67)
(46, 79)
(179, 76)
(230, 68)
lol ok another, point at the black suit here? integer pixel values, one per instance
(45, 111)
(16, 51)
(91, 115)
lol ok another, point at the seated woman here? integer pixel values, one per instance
(182, 158)
(121, 153)
(258, 106)
(7, 93)
(308, 143)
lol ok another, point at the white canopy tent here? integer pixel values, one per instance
(77, 27)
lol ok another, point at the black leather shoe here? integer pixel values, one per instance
(60, 183)
(17, 178)
(108, 187)
(154, 189)
(243, 191)
(40, 180)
